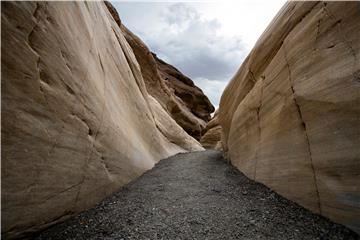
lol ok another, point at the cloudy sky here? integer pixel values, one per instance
(207, 41)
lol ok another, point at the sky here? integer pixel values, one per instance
(207, 41)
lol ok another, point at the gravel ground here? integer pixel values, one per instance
(196, 196)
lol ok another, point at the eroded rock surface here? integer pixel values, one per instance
(184, 88)
(77, 119)
(176, 93)
(211, 135)
(290, 116)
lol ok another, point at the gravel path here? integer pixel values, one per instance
(196, 196)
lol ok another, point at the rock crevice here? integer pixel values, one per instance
(301, 118)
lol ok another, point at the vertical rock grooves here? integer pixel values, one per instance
(91, 127)
(92, 146)
(94, 138)
(341, 34)
(258, 109)
(304, 127)
(134, 71)
(266, 48)
(309, 109)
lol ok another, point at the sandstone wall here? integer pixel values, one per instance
(211, 135)
(77, 119)
(290, 116)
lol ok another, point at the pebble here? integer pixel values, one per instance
(206, 198)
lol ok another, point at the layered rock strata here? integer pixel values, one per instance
(78, 121)
(290, 116)
(177, 94)
(211, 135)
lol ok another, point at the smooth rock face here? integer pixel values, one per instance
(175, 92)
(290, 116)
(77, 119)
(211, 135)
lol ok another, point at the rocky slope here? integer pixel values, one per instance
(78, 121)
(290, 116)
(185, 90)
(175, 92)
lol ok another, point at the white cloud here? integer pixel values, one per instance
(212, 88)
(206, 41)
(193, 44)
(244, 18)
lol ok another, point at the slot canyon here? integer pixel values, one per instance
(88, 112)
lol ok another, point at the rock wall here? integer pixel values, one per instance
(211, 135)
(77, 119)
(175, 92)
(187, 94)
(290, 116)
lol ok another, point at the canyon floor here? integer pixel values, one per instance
(196, 196)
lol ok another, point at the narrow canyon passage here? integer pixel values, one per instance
(89, 109)
(196, 196)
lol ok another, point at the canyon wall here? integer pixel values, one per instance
(211, 135)
(176, 93)
(290, 115)
(78, 121)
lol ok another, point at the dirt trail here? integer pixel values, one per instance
(196, 196)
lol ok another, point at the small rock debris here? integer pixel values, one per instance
(196, 196)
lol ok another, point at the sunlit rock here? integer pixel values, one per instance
(78, 121)
(290, 116)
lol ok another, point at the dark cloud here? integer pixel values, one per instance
(193, 45)
(179, 34)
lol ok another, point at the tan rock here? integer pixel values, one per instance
(290, 116)
(184, 88)
(77, 119)
(211, 135)
(113, 13)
